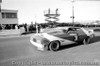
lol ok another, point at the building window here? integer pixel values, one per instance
(9, 15)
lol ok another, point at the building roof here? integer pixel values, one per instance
(7, 10)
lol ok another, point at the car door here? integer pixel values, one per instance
(81, 35)
(68, 38)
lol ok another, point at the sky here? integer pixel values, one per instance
(33, 10)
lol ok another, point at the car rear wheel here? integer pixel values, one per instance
(86, 41)
(54, 45)
(92, 36)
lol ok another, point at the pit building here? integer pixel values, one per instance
(8, 19)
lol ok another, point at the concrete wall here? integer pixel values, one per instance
(12, 32)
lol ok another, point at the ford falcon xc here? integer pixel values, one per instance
(52, 38)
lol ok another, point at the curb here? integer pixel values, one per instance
(14, 35)
(9, 35)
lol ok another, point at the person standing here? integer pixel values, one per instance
(36, 25)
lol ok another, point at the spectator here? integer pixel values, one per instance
(16, 27)
(25, 26)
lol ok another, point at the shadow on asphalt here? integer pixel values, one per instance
(28, 33)
(68, 46)
(93, 40)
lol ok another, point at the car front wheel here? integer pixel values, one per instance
(54, 45)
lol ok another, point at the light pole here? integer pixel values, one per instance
(73, 12)
(36, 25)
(0, 10)
(0, 5)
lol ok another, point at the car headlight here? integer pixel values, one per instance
(34, 40)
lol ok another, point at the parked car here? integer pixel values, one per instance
(53, 38)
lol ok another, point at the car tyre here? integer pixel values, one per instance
(54, 45)
(92, 36)
(86, 41)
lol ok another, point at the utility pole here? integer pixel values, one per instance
(73, 12)
(0, 10)
(0, 5)
(36, 25)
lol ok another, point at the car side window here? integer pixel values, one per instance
(70, 30)
(66, 31)
(73, 30)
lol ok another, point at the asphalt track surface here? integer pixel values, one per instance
(18, 51)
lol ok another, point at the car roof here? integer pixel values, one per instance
(54, 29)
(58, 29)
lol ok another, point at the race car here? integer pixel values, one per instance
(52, 38)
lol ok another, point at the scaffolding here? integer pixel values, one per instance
(52, 17)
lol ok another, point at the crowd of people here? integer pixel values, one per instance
(24, 27)
(7, 26)
(30, 28)
(37, 27)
